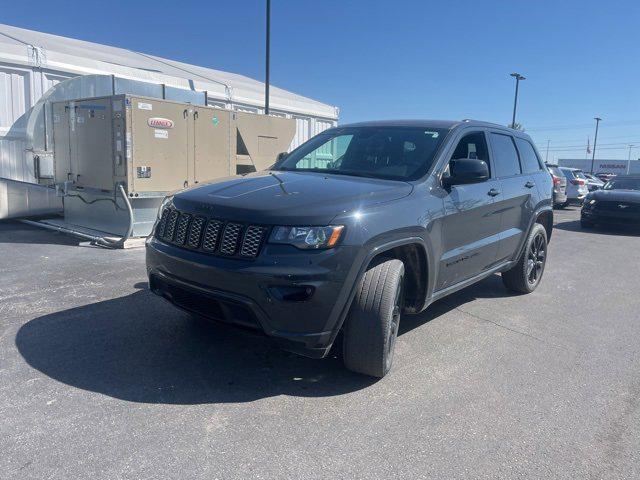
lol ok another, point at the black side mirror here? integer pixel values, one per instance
(466, 170)
(281, 156)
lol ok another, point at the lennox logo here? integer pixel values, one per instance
(157, 122)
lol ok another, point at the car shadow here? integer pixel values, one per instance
(574, 226)
(139, 348)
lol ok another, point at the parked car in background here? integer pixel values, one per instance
(353, 228)
(577, 188)
(559, 186)
(618, 203)
(593, 182)
(605, 177)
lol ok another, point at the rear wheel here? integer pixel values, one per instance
(525, 276)
(371, 329)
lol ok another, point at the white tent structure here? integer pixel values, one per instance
(31, 63)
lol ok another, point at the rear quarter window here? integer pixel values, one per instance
(528, 157)
(505, 155)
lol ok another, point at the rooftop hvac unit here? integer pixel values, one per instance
(146, 147)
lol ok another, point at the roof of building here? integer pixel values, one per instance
(53, 52)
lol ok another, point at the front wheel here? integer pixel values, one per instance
(525, 276)
(372, 326)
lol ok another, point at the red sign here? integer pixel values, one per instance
(157, 122)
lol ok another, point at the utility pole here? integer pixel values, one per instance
(268, 48)
(629, 159)
(518, 77)
(595, 141)
(546, 157)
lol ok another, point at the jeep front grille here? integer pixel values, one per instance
(230, 238)
(210, 235)
(252, 241)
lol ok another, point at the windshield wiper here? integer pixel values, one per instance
(332, 171)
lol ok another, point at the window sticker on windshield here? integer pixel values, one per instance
(433, 134)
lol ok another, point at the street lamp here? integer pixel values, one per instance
(595, 141)
(267, 58)
(518, 77)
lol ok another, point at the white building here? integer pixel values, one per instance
(33, 62)
(619, 167)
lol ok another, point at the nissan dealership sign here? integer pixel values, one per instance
(617, 167)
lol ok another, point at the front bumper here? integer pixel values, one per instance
(621, 219)
(298, 298)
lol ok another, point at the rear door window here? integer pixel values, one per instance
(556, 171)
(505, 155)
(530, 161)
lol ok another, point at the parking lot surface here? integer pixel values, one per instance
(101, 379)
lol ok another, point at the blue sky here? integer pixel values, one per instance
(401, 59)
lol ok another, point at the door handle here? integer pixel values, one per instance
(529, 184)
(493, 192)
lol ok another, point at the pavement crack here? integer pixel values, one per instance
(513, 330)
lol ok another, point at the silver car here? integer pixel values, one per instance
(593, 182)
(577, 187)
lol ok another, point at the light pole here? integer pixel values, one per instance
(629, 158)
(595, 141)
(546, 158)
(518, 77)
(267, 55)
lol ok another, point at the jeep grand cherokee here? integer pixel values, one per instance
(354, 228)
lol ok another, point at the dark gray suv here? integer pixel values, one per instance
(357, 226)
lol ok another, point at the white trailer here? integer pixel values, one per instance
(32, 62)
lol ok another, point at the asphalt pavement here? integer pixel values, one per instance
(99, 379)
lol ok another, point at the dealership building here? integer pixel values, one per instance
(618, 167)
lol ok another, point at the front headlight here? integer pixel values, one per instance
(307, 237)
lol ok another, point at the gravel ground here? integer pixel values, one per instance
(100, 379)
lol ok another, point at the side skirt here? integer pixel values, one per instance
(468, 282)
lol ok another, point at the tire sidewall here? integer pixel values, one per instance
(391, 336)
(537, 229)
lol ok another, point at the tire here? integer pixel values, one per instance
(525, 276)
(371, 329)
(563, 205)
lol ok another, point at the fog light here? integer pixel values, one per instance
(292, 293)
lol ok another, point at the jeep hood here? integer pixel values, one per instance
(289, 198)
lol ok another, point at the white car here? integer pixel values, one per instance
(577, 187)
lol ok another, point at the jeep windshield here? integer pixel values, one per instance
(394, 153)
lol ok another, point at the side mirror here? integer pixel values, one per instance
(281, 156)
(466, 170)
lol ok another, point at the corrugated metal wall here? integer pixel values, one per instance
(15, 101)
